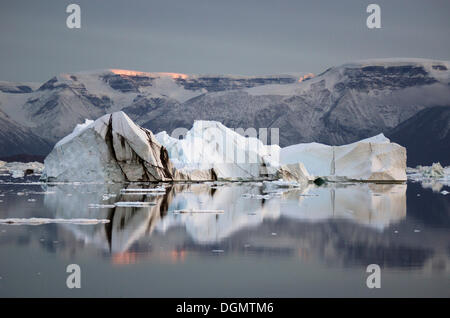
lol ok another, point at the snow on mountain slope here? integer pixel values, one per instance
(52, 109)
(15, 139)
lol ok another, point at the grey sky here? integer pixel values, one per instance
(214, 37)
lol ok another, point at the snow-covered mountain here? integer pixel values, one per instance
(341, 105)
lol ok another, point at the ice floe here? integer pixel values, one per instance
(134, 204)
(434, 177)
(39, 221)
(20, 169)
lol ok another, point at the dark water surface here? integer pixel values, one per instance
(308, 242)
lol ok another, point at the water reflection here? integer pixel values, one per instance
(338, 224)
(302, 218)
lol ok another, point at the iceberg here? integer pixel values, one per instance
(111, 149)
(211, 145)
(114, 149)
(371, 159)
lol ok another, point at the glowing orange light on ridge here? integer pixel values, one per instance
(157, 74)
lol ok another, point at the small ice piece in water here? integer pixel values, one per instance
(38, 221)
(101, 206)
(445, 192)
(31, 200)
(274, 234)
(134, 204)
(416, 231)
(17, 174)
(262, 196)
(157, 189)
(20, 193)
(198, 211)
(217, 251)
(396, 232)
(108, 196)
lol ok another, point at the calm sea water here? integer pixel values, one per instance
(312, 242)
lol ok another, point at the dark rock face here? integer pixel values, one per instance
(52, 84)
(15, 89)
(380, 77)
(426, 135)
(217, 84)
(126, 83)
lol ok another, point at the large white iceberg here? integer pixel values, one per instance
(112, 148)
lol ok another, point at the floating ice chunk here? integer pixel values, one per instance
(38, 221)
(20, 169)
(157, 189)
(101, 206)
(199, 211)
(133, 204)
(42, 192)
(17, 173)
(445, 192)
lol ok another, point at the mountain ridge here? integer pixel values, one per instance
(343, 104)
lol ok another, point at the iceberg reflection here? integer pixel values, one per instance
(245, 206)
